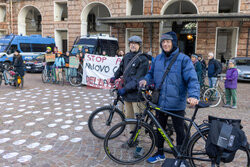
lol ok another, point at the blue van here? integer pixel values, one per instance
(29, 46)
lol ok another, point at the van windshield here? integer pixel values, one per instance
(243, 62)
(75, 49)
(85, 42)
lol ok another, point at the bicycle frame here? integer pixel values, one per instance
(115, 102)
(7, 80)
(176, 153)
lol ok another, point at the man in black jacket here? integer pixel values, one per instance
(132, 70)
(213, 70)
(18, 63)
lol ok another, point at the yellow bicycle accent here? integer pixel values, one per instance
(165, 137)
(137, 134)
(19, 80)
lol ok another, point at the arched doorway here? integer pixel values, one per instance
(89, 15)
(29, 21)
(134, 7)
(186, 31)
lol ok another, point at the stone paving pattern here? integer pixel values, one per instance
(45, 125)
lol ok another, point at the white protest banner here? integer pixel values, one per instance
(97, 70)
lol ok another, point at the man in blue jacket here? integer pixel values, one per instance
(180, 83)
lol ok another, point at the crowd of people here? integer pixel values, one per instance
(62, 62)
(181, 85)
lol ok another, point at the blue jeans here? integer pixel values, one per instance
(212, 81)
(67, 73)
(73, 72)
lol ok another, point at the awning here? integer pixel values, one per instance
(175, 17)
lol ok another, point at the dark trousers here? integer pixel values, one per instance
(178, 124)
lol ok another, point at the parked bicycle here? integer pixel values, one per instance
(102, 119)
(50, 76)
(10, 76)
(134, 133)
(75, 79)
(216, 94)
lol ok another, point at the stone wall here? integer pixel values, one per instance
(206, 33)
(206, 36)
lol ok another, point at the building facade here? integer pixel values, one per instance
(202, 26)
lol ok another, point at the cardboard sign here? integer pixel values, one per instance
(98, 69)
(73, 62)
(50, 58)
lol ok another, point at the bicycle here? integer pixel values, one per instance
(216, 94)
(11, 77)
(48, 76)
(76, 79)
(203, 88)
(139, 133)
(102, 119)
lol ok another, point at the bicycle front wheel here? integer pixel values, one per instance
(44, 76)
(133, 145)
(75, 80)
(196, 149)
(102, 119)
(212, 96)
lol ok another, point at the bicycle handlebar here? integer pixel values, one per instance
(143, 92)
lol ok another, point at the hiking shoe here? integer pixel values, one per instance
(234, 107)
(139, 151)
(227, 106)
(155, 158)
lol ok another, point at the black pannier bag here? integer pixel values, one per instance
(225, 137)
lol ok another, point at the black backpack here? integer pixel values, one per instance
(220, 67)
(204, 68)
(225, 137)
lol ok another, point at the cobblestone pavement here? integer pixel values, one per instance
(46, 125)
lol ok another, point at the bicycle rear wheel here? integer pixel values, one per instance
(196, 149)
(212, 96)
(75, 80)
(124, 149)
(102, 119)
